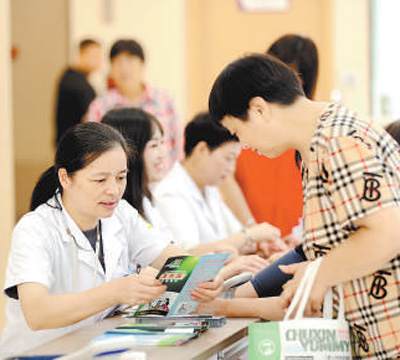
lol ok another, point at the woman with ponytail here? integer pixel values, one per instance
(70, 255)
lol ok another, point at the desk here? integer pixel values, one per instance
(206, 345)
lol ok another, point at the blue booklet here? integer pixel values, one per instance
(182, 274)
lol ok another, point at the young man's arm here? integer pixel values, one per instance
(246, 291)
(364, 252)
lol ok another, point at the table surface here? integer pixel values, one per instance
(207, 344)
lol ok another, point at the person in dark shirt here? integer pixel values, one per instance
(74, 92)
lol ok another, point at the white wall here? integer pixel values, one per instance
(386, 54)
(6, 148)
(351, 54)
(166, 48)
(42, 41)
(158, 25)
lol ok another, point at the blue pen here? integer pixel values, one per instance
(113, 352)
(138, 269)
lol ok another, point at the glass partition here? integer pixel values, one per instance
(385, 56)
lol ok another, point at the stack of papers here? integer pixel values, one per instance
(155, 334)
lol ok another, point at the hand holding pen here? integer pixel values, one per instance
(148, 271)
(139, 288)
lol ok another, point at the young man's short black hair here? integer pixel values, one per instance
(132, 47)
(249, 77)
(83, 44)
(201, 128)
(394, 130)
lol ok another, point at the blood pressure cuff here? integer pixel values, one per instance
(269, 282)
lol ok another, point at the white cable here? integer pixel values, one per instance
(76, 247)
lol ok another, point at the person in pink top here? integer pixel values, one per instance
(127, 72)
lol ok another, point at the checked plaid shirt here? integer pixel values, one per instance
(354, 170)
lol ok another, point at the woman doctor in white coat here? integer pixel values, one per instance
(70, 255)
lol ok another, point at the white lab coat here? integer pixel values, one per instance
(193, 218)
(43, 252)
(156, 220)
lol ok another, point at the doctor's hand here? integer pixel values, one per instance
(209, 290)
(149, 271)
(291, 241)
(226, 248)
(137, 289)
(270, 248)
(264, 232)
(244, 263)
(267, 237)
(316, 299)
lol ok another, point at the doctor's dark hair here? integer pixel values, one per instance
(248, 77)
(137, 127)
(80, 145)
(201, 128)
(299, 53)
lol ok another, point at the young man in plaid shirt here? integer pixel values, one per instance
(351, 188)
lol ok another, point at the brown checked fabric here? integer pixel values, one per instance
(354, 170)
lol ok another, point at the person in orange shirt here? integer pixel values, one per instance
(272, 187)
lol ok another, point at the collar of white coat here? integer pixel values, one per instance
(188, 183)
(208, 203)
(110, 227)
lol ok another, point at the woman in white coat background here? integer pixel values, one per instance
(146, 169)
(70, 255)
